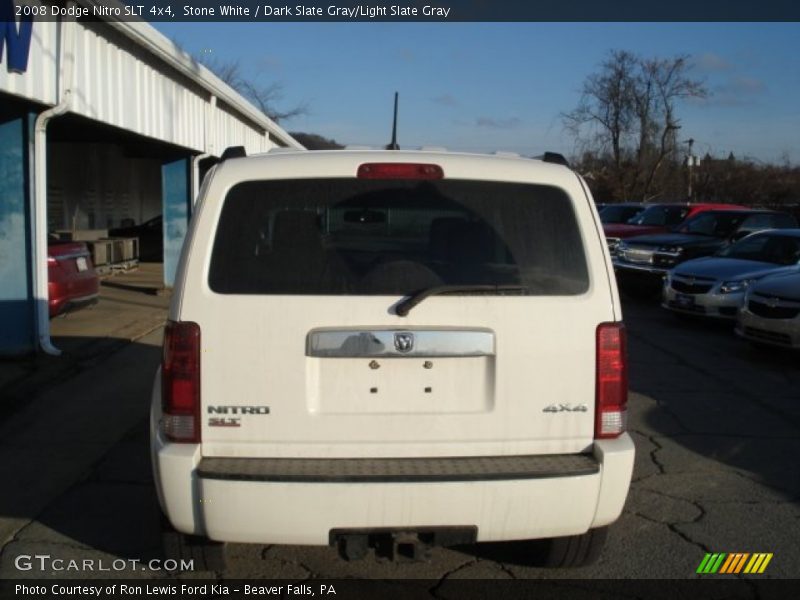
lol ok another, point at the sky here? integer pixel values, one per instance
(503, 86)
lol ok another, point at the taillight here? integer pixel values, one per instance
(180, 382)
(612, 381)
(399, 171)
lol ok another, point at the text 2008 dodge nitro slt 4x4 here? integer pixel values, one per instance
(419, 347)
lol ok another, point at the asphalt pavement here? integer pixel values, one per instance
(63, 417)
(716, 424)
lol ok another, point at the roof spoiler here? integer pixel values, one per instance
(233, 152)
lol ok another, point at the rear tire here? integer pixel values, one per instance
(204, 554)
(571, 551)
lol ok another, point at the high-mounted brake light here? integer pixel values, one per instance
(612, 381)
(180, 382)
(399, 171)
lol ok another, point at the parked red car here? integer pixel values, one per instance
(72, 280)
(656, 218)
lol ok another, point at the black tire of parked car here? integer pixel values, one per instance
(571, 551)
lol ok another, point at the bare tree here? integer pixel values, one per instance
(669, 82)
(264, 96)
(628, 109)
(604, 115)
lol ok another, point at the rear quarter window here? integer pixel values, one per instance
(759, 221)
(770, 221)
(375, 237)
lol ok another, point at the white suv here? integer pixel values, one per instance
(393, 349)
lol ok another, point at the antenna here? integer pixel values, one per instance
(393, 144)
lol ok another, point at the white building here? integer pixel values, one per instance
(101, 124)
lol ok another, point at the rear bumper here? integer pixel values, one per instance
(302, 501)
(58, 304)
(397, 470)
(66, 294)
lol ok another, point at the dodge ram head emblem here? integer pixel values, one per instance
(404, 341)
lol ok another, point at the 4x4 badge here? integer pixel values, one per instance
(552, 408)
(404, 341)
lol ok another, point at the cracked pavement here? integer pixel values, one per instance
(716, 424)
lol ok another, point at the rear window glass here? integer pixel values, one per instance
(717, 224)
(619, 214)
(769, 220)
(662, 216)
(375, 237)
(767, 247)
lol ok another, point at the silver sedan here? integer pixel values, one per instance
(770, 313)
(714, 286)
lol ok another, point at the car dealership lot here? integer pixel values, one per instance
(716, 423)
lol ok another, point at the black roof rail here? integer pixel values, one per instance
(554, 157)
(233, 152)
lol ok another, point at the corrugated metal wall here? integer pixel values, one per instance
(119, 83)
(228, 130)
(117, 86)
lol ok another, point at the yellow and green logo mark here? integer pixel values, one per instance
(734, 563)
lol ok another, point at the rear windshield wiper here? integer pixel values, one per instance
(406, 305)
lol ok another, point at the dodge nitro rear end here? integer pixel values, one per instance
(419, 347)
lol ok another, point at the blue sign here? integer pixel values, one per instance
(15, 38)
